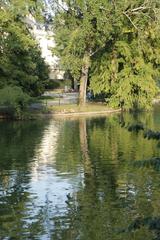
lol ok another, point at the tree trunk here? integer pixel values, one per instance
(84, 79)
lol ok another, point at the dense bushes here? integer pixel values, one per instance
(13, 102)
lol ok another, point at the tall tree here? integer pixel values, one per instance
(81, 29)
(127, 70)
(21, 63)
(115, 43)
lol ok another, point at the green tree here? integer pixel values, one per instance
(21, 63)
(127, 71)
(115, 43)
(81, 30)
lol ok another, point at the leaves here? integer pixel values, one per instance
(122, 39)
(128, 70)
(14, 101)
(21, 63)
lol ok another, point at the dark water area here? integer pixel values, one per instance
(81, 179)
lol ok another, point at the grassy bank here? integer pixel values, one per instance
(63, 110)
(74, 109)
(69, 108)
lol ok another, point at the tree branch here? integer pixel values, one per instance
(130, 20)
(97, 50)
(141, 8)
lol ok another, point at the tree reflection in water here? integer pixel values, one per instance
(114, 192)
(95, 183)
(17, 146)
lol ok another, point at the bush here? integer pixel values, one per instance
(14, 101)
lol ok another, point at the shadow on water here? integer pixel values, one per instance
(151, 223)
(153, 162)
(139, 123)
(18, 141)
(149, 134)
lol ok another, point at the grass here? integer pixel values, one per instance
(74, 108)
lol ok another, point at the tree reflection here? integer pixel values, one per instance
(114, 191)
(68, 154)
(18, 142)
(113, 194)
(84, 146)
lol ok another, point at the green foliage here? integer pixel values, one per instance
(14, 101)
(82, 28)
(128, 71)
(128, 84)
(122, 39)
(21, 63)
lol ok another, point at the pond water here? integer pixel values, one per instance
(80, 179)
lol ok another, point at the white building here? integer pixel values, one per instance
(45, 39)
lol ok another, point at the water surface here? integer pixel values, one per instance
(80, 179)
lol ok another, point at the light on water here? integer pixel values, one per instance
(85, 179)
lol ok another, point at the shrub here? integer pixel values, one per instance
(14, 101)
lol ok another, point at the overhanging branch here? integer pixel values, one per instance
(130, 20)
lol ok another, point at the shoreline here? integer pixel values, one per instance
(65, 111)
(35, 116)
(91, 113)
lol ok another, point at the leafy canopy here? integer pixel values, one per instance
(21, 63)
(122, 39)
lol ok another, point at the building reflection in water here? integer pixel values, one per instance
(50, 188)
